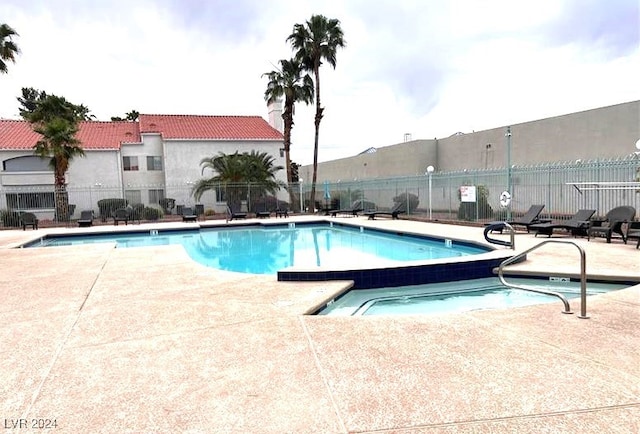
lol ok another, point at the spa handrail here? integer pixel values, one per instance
(501, 226)
(583, 277)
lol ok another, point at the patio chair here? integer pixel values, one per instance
(399, 208)
(121, 215)
(531, 217)
(633, 232)
(188, 215)
(28, 219)
(612, 223)
(86, 218)
(235, 214)
(577, 225)
(281, 212)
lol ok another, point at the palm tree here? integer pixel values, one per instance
(316, 40)
(290, 82)
(56, 120)
(236, 173)
(8, 48)
(59, 143)
(132, 116)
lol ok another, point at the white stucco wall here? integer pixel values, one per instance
(90, 178)
(96, 167)
(183, 167)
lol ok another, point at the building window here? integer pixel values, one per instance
(154, 163)
(130, 163)
(155, 196)
(221, 193)
(24, 201)
(133, 196)
(29, 163)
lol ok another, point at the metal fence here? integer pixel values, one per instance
(562, 187)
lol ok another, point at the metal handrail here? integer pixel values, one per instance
(500, 226)
(583, 277)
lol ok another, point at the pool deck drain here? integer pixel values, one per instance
(145, 340)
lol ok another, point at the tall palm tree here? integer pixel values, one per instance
(8, 48)
(291, 82)
(56, 120)
(60, 145)
(236, 173)
(316, 40)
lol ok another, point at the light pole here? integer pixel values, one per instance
(301, 196)
(508, 135)
(430, 170)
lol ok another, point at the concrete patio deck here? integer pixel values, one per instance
(144, 340)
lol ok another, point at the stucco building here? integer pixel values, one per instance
(145, 161)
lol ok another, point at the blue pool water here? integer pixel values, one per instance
(460, 296)
(267, 249)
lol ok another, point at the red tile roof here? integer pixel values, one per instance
(209, 127)
(108, 135)
(18, 135)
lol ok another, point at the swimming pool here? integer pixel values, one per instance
(458, 296)
(270, 249)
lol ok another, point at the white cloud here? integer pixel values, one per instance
(425, 68)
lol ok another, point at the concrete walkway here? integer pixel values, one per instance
(144, 340)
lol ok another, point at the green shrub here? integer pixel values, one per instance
(409, 200)
(479, 209)
(167, 205)
(108, 206)
(268, 203)
(137, 212)
(10, 219)
(151, 213)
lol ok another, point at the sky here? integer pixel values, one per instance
(422, 69)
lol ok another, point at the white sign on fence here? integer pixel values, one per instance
(468, 193)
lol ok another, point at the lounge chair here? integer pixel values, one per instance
(188, 215)
(86, 218)
(28, 219)
(633, 231)
(399, 208)
(235, 214)
(612, 223)
(531, 217)
(578, 224)
(121, 215)
(353, 212)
